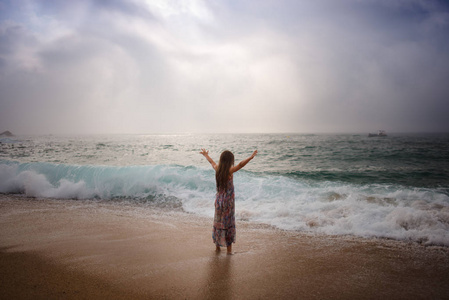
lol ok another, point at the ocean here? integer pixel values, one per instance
(393, 187)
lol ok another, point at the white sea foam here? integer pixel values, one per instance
(281, 201)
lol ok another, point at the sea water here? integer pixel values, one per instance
(393, 187)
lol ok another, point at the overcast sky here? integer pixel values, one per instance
(162, 66)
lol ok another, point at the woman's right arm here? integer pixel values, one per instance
(243, 163)
(205, 153)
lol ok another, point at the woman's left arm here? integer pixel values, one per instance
(205, 153)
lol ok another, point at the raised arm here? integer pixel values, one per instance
(205, 153)
(243, 163)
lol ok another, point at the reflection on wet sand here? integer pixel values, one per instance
(219, 277)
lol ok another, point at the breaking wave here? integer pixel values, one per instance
(284, 201)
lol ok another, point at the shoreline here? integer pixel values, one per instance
(75, 249)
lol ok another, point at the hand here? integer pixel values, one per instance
(204, 152)
(254, 154)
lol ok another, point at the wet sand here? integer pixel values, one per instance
(67, 249)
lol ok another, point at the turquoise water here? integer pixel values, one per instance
(395, 186)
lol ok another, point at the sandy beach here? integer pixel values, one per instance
(69, 249)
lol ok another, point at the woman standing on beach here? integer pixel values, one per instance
(223, 232)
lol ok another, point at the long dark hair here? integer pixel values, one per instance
(223, 171)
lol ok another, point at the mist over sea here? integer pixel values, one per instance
(394, 187)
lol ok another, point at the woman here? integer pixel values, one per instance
(223, 232)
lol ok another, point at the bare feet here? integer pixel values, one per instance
(228, 250)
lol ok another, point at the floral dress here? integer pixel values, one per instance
(223, 232)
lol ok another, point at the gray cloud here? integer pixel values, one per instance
(158, 66)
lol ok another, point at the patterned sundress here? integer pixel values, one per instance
(223, 232)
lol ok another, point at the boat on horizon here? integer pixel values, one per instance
(379, 133)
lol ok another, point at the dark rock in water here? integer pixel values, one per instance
(6, 133)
